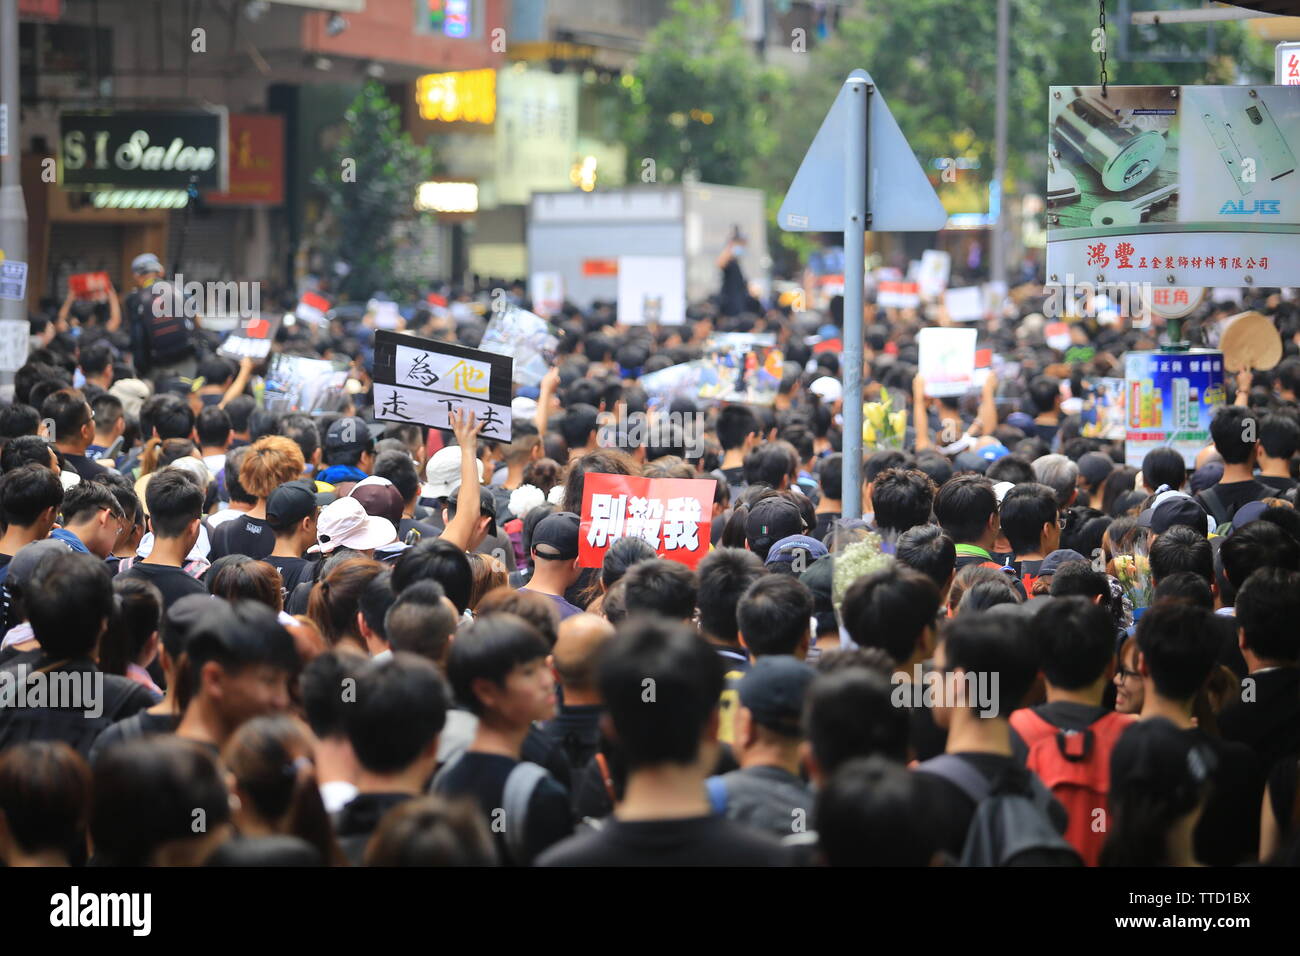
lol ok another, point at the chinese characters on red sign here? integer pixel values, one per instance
(1125, 253)
(673, 515)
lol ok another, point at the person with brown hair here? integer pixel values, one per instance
(274, 777)
(536, 609)
(44, 804)
(237, 577)
(335, 600)
(489, 574)
(271, 462)
(432, 831)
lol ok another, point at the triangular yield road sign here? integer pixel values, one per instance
(899, 196)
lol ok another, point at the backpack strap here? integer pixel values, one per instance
(1218, 509)
(520, 786)
(441, 775)
(717, 788)
(960, 774)
(606, 778)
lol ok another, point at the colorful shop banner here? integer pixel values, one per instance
(1174, 185)
(672, 515)
(1171, 397)
(424, 380)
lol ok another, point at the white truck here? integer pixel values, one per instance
(580, 235)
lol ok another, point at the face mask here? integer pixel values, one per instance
(738, 251)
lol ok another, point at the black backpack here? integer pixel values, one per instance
(1008, 822)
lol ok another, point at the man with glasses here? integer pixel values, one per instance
(92, 519)
(1032, 524)
(72, 429)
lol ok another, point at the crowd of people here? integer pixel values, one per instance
(335, 640)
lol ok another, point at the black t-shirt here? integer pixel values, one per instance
(172, 582)
(293, 571)
(137, 725)
(1235, 494)
(359, 818)
(422, 530)
(1228, 832)
(84, 466)
(1278, 483)
(693, 841)
(243, 535)
(483, 777)
(824, 522)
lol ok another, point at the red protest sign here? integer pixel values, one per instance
(672, 514)
(87, 285)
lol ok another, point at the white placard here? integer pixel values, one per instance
(651, 290)
(546, 289)
(933, 275)
(446, 373)
(965, 304)
(13, 344)
(946, 360)
(1286, 64)
(393, 403)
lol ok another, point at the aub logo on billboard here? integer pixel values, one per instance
(1260, 207)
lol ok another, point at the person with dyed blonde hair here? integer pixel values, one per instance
(271, 462)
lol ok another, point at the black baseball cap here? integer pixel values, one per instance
(773, 691)
(1171, 508)
(290, 503)
(556, 536)
(362, 439)
(770, 520)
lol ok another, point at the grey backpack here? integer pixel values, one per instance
(521, 784)
(1007, 824)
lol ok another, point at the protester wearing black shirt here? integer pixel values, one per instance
(68, 602)
(497, 668)
(400, 709)
(1268, 607)
(175, 511)
(273, 461)
(291, 513)
(666, 822)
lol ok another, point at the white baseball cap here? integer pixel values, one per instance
(343, 523)
(442, 473)
(828, 389)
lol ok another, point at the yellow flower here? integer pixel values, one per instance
(868, 433)
(899, 422)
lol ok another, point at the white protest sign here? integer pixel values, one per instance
(965, 304)
(425, 380)
(651, 290)
(546, 289)
(946, 360)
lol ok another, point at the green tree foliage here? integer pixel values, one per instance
(368, 184)
(698, 101)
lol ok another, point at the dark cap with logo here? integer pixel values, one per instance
(556, 536)
(290, 503)
(773, 691)
(770, 520)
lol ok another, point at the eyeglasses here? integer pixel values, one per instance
(1124, 674)
(1061, 521)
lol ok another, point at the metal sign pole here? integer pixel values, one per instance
(856, 222)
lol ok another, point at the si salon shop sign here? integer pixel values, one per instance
(144, 149)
